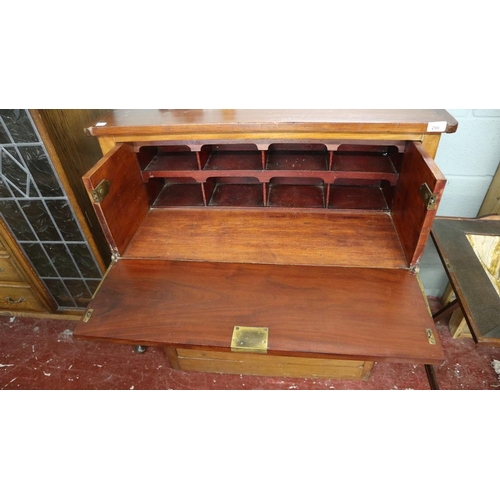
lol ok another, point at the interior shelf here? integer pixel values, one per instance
(180, 193)
(298, 175)
(234, 192)
(231, 157)
(299, 193)
(367, 159)
(168, 158)
(357, 198)
(297, 157)
(279, 193)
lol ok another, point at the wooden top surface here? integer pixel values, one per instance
(477, 294)
(268, 121)
(317, 311)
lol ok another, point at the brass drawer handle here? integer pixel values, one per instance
(1, 269)
(18, 301)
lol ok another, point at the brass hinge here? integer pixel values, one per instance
(430, 336)
(101, 191)
(250, 339)
(430, 199)
(88, 314)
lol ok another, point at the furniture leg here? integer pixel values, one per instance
(431, 377)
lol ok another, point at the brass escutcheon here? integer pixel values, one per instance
(250, 339)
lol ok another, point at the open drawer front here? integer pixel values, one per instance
(328, 267)
(309, 311)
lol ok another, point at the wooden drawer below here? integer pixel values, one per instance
(18, 297)
(268, 365)
(7, 270)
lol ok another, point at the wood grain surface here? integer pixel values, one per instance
(123, 209)
(269, 365)
(273, 236)
(411, 217)
(365, 314)
(266, 122)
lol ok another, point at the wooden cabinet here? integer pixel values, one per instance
(21, 292)
(43, 154)
(271, 242)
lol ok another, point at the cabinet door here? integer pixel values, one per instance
(119, 196)
(416, 200)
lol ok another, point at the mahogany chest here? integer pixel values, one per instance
(268, 242)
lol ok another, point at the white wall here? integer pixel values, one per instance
(469, 159)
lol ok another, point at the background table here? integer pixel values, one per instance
(475, 294)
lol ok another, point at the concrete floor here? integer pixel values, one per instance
(43, 354)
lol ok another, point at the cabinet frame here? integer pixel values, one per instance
(229, 240)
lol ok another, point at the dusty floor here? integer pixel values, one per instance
(43, 354)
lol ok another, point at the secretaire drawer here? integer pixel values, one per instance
(306, 202)
(8, 272)
(18, 298)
